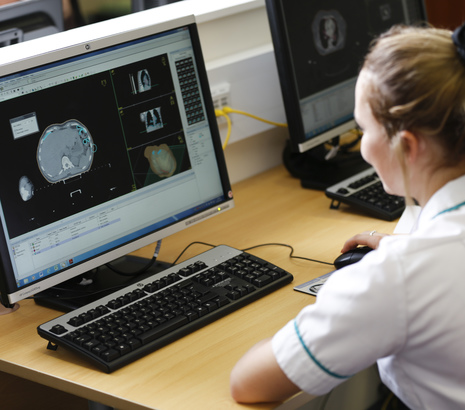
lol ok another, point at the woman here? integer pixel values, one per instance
(402, 305)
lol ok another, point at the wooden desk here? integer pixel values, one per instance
(194, 371)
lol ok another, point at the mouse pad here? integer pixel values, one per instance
(312, 287)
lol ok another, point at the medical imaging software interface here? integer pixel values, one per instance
(328, 39)
(100, 149)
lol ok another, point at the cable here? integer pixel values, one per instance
(221, 113)
(188, 246)
(157, 249)
(141, 270)
(291, 255)
(228, 110)
(224, 111)
(83, 292)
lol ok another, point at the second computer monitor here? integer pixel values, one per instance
(319, 47)
(27, 20)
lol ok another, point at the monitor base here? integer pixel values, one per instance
(315, 172)
(93, 285)
(4, 310)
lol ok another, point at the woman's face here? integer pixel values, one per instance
(376, 147)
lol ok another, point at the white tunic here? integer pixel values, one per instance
(402, 306)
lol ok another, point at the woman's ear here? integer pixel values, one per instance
(410, 145)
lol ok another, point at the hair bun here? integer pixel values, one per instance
(458, 37)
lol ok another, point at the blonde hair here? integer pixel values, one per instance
(417, 83)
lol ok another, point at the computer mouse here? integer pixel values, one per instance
(352, 256)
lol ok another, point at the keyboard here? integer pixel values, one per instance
(365, 192)
(145, 316)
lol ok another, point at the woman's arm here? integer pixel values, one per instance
(257, 377)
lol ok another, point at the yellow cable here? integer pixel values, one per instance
(228, 110)
(221, 113)
(224, 111)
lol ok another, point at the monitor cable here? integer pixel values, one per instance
(150, 263)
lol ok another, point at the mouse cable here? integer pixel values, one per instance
(291, 255)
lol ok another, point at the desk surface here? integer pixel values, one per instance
(270, 207)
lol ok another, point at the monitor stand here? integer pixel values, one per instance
(316, 172)
(73, 294)
(4, 310)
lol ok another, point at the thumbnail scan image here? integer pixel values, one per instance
(65, 150)
(152, 119)
(161, 160)
(144, 81)
(329, 31)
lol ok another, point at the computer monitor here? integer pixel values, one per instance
(319, 47)
(28, 19)
(139, 5)
(109, 143)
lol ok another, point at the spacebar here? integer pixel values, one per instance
(162, 329)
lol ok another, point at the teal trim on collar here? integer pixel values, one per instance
(454, 208)
(338, 376)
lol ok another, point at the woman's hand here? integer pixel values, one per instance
(371, 239)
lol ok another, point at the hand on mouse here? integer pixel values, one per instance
(371, 239)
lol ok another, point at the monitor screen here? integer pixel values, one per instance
(319, 47)
(110, 143)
